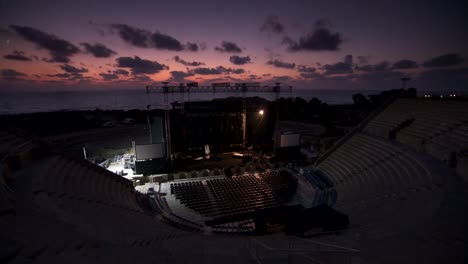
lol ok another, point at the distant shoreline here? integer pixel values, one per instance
(127, 100)
(32, 102)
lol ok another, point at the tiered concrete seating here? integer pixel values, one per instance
(6, 203)
(59, 210)
(365, 166)
(439, 128)
(173, 218)
(15, 152)
(400, 196)
(82, 180)
(442, 146)
(389, 119)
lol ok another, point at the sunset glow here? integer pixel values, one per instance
(65, 45)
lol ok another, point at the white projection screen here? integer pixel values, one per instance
(289, 140)
(149, 151)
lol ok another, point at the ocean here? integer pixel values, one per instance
(30, 102)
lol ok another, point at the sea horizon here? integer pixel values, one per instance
(51, 101)
(21, 102)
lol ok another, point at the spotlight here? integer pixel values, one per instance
(261, 112)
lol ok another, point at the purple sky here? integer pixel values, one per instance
(75, 45)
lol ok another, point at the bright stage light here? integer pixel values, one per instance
(261, 112)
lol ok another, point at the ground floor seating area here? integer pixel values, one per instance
(214, 172)
(223, 197)
(279, 181)
(236, 227)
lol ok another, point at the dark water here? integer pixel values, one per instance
(28, 102)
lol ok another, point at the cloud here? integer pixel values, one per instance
(70, 72)
(440, 77)
(134, 36)
(363, 59)
(192, 46)
(141, 78)
(281, 64)
(281, 79)
(108, 76)
(216, 71)
(207, 71)
(405, 64)
(233, 71)
(77, 76)
(310, 75)
(383, 66)
(11, 74)
(72, 76)
(71, 69)
(188, 63)
(145, 39)
(121, 72)
(321, 38)
(450, 59)
(17, 55)
(337, 68)
(381, 76)
(165, 42)
(273, 25)
(139, 66)
(230, 47)
(303, 68)
(239, 60)
(348, 59)
(443, 80)
(98, 50)
(59, 49)
(307, 72)
(60, 75)
(179, 76)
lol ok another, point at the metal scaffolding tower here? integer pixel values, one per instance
(242, 88)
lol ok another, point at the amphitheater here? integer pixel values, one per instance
(400, 176)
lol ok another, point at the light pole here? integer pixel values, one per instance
(404, 80)
(261, 112)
